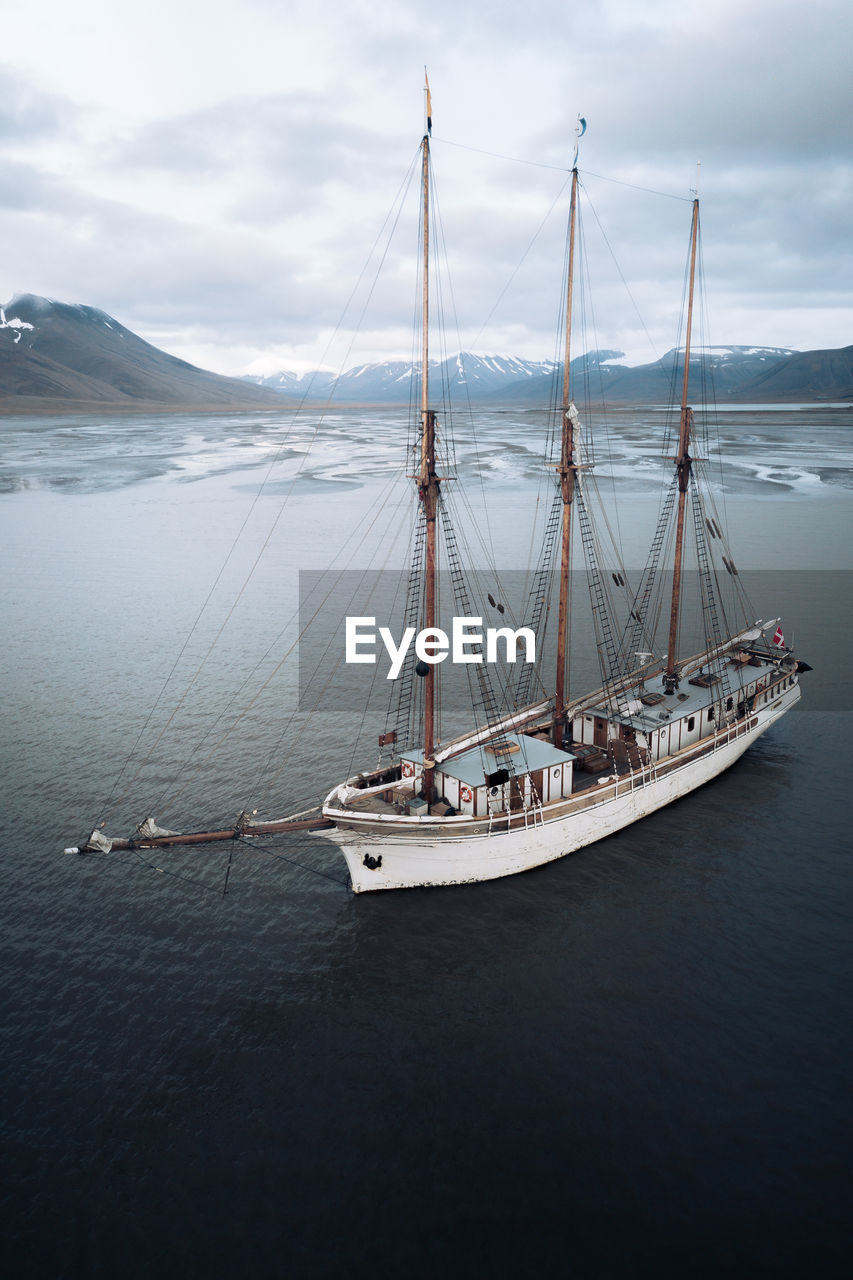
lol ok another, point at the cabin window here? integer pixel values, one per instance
(690, 723)
(711, 715)
(729, 704)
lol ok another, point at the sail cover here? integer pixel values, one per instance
(99, 842)
(149, 829)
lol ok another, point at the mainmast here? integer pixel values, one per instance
(566, 472)
(427, 480)
(683, 464)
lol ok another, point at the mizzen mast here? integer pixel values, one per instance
(566, 471)
(683, 464)
(427, 480)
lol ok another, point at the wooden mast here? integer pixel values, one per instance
(427, 480)
(683, 465)
(566, 472)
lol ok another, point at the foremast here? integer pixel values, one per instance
(683, 466)
(566, 471)
(427, 481)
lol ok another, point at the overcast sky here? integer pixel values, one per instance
(214, 173)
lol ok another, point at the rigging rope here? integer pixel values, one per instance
(294, 862)
(560, 168)
(111, 798)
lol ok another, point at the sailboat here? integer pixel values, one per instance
(537, 780)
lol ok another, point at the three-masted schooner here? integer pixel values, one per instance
(541, 780)
(550, 778)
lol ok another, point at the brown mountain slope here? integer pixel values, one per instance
(60, 356)
(820, 375)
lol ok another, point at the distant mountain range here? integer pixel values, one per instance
(389, 383)
(732, 373)
(57, 356)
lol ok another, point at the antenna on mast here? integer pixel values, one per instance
(427, 105)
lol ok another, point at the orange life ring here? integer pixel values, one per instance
(465, 794)
(408, 769)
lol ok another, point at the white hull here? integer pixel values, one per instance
(411, 858)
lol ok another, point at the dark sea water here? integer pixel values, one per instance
(633, 1062)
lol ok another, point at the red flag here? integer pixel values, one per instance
(778, 638)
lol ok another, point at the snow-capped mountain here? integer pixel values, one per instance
(719, 371)
(313, 384)
(735, 373)
(478, 374)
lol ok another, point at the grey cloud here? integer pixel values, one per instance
(281, 194)
(141, 267)
(25, 188)
(282, 152)
(27, 112)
